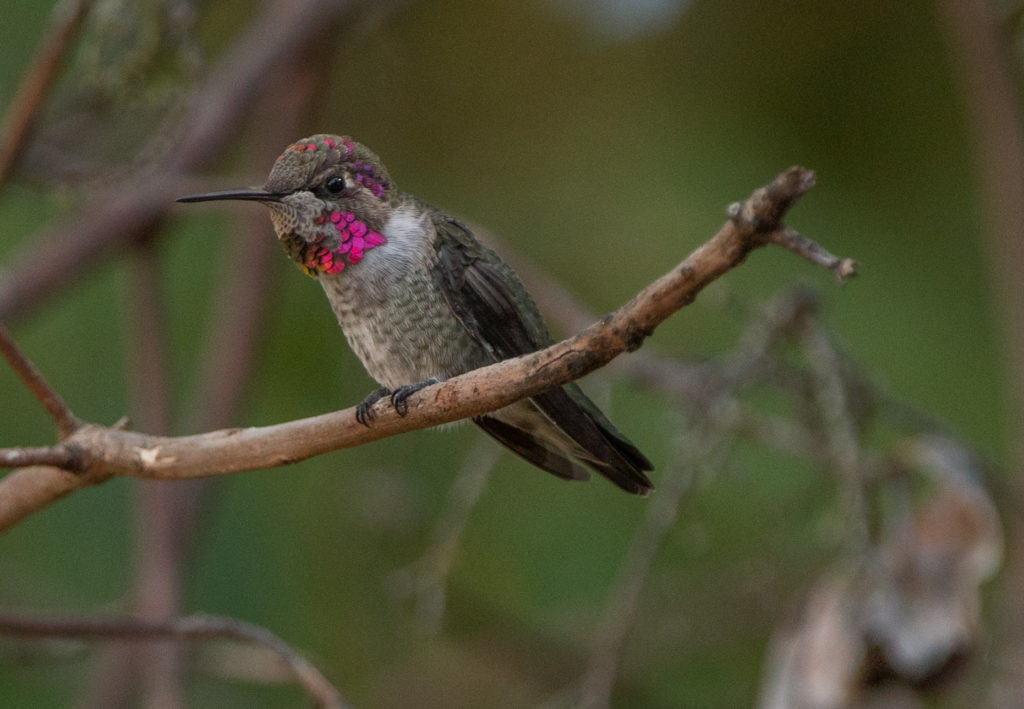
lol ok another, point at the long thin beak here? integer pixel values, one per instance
(248, 194)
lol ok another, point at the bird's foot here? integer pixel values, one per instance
(399, 395)
(364, 413)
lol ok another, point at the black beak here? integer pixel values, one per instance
(251, 195)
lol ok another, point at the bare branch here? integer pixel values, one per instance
(193, 627)
(715, 420)
(839, 427)
(979, 39)
(66, 421)
(152, 670)
(424, 580)
(52, 262)
(987, 71)
(799, 244)
(65, 19)
(113, 452)
(693, 445)
(166, 516)
(67, 458)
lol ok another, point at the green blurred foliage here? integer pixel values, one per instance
(566, 141)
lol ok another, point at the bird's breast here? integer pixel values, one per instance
(394, 316)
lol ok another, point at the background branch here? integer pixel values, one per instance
(698, 437)
(121, 213)
(192, 627)
(150, 671)
(33, 380)
(988, 74)
(167, 516)
(22, 112)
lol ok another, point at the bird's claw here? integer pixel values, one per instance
(364, 409)
(399, 395)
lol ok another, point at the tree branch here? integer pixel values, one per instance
(799, 244)
(425, 579)
(107, 452)
(50, 261)
(979, 41)
(33, 380)
(694, 443)
(65, 19)
(192, 627)
(68, 458)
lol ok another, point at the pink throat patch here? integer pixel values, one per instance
(355, 240)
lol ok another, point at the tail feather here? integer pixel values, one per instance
(551, 429)
(607, 451)
(532, 449)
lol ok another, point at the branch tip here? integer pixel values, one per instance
(762, 212)
(792, 240)
(845, 268)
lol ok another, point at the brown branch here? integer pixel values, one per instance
(695, 442)
(153, 671)
(984, 63)
(985, 66)
(193, 627)
(166, 516)
(33, 380)
(50, 261)
(425, 579)
(113, 452)
(839, 426)
(796, 242)
(68, 458)
(565, 313)
(709, 424)
(20, 117)
(110, 221)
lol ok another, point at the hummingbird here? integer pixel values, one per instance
(420, 300)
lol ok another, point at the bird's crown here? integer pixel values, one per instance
(325, 163)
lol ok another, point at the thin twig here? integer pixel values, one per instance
(167, 516)
(839, 429)
(716, 417)
(49, 262)
(65, 457)
(152, 670)
(779, 319)
(980, 40)
(796, 242)
(697, 438)
(66, 422)
(65, 19)
(425, 579)
(779, 433)
(192, 627)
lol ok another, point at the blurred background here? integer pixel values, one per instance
(601, 141)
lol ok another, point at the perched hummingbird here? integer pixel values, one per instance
(420, 299)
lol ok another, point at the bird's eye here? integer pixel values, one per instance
(335, 184)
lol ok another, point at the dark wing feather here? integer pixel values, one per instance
(476, 282)
(531, 449)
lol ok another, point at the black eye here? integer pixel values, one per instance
(335, 184)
